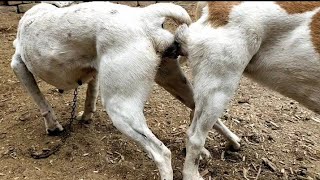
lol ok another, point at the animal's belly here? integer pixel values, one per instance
(293, 76)
(63, 76)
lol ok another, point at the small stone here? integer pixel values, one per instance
(146, 3)
(302, 171)
(10, 3)
(24, 117)
(244, 100)
(164, 1)
(129, 3)
(270, 164)
(304, 178)
(7, 9)
(22, 8)
(183, 126)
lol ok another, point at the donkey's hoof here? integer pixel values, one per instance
(233, 147)
(84, 119)
(55, 132)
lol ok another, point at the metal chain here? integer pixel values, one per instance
(66, 133)
(74, 106)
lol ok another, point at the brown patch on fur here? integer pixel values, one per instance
(315, 31)
(219, 11)
(296, 7)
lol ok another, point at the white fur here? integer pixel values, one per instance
(262, 41)
(121, 43)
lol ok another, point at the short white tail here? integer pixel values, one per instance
(15, 43)
(163, 10)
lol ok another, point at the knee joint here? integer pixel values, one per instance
(196, 142)
(163, 157)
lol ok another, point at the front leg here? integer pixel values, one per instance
(91, 99)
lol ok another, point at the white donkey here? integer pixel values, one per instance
(116, 46)
(274, 43)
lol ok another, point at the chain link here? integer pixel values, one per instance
(65, 134)
(74, 107)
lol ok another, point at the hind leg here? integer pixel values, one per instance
(211, 100)
(90, 103)
(171, 78)
(27, 79)
(206, 116)
(125, 85)
(126, 113)
(127, 116)
(234, 140)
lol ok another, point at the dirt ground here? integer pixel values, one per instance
(270, 125)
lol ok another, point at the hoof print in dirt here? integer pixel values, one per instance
(89, 121)
(55, 132)
(233, 156)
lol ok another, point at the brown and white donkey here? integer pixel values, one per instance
(274, 43)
